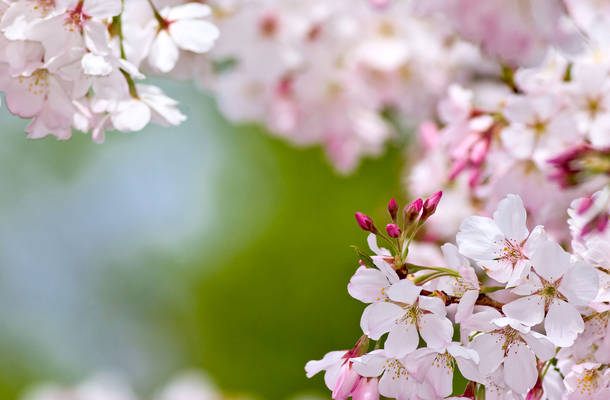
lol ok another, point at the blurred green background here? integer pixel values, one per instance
(205, 246)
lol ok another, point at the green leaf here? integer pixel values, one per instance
(366, 259)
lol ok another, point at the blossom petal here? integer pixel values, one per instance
(197, 36)
(402, 340)
(510, 217)
(404, 291)
(163, 52)
(489, 347)
(435, 330)
(329, 359)
(579, 284)
(189, 11)
(540, 344)
(563, 323)
(528, 310)
(550, 261)
(367, 284)
(520, 371)
(379, 318)
(432, 304)
(479, 238)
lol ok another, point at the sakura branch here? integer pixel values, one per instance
(515, 313)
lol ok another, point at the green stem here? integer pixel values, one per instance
(414, 268)
(117, 24)
(491, 289)
(428, 277)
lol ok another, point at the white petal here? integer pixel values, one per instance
(510, 217)
(189, 11)
(480, 238)
(387, 269)
(518, 141)
(459, 351)
(102, 8)
(404, 291)
(520, 371)
(440, 376)
(528, 310)
(433, 304)
(563, 323)
(194, 35)
(371, 364)
(132, 115)
(163, 52)
(550, 261)
(540, 344)
(379, 318)
(95, 65)
(579, 284)
(402, 340)
(367, 284)
(489, 347)
(436, 331)
(329, 359)
(466, 305)
(96, 37)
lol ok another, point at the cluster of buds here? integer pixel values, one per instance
(516, 314)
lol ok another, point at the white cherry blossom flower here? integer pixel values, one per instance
(553, 292)
(403, 316)
(502, 245)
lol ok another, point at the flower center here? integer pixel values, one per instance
(587, 383)
(512, 252)
(396, 370)
(37, 83)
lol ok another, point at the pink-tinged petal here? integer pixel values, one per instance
(459, 351)
(541, 345)
(367, 284)
(404, 291)
(521, 269)
(371, 239)
(387, 269)
(163, 52)
(370, 365)
(501, 270)
(527, 310)
(96, 37)
(510, 216)
(329, 359)
(379, 318)
(550, 261)
(432, 304)
(469, 369)
(102, 8)
(480, 238)
(189, 11)
(580, 284)
(440, 377)
(466, 305)
(520, 371)
(194, 35)
(563, 323)
(402, 340)
(24, 100)
(347, 382)
(131, 116)
(535, 239)
(435, 330)
(489, 347)
(531, 284)
(481, 321)
(367, 389)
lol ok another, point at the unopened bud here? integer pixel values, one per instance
(365, 222)
(393, 230)
(430, 204)
(412, 212)
(367, 389)
(393, 209)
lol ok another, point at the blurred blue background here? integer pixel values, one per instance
(206, 246)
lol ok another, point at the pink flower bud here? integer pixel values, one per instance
(367, 389)
(348, 379)
(393, 209)
(412, 212)
(365, 222)
(431, 203)
(393, 230)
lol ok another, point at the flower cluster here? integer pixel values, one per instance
(517, 315)
(75, 63)
(343, 74)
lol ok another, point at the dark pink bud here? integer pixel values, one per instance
(536, 392)
(412, 212)
(348, 379)
(393, 230)
(393, 209)
(365, 222)
(584, 205)
(431, 203)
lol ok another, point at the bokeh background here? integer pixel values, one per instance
(207, 246)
